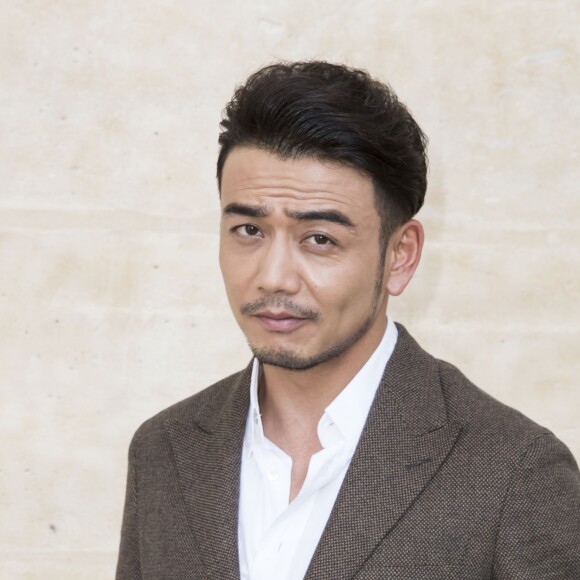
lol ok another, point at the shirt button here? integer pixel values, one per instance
(273, 475)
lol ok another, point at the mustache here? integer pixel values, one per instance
(279, 303)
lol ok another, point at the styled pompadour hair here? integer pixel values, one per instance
(334, 113)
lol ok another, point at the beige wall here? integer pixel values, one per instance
(111, 302)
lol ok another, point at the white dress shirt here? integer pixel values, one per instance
(276, 539)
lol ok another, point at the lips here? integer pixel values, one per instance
(280, 321)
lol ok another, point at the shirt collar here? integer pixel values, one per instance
(346, 415)
(254, 426)
(349, 410)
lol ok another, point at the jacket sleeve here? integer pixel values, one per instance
(539, 536)
(129, 562)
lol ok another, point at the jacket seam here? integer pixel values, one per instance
(518, 470)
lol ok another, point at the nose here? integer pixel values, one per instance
(277, 268)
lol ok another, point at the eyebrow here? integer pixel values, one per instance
(332, 216)
(246, 210)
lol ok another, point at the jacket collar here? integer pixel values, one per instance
(406, 438)
(207, 446)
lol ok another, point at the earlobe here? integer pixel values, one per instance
(403, 256)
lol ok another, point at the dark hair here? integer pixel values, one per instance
(333, 112)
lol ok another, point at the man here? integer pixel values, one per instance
(343, 450)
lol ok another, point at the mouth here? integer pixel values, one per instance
(280, 321)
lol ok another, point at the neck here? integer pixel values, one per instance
(292, 402)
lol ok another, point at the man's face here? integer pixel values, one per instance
(300, 256)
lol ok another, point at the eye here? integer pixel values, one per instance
(247, 231)
(320, 240)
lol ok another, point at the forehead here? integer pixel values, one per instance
(257, 176)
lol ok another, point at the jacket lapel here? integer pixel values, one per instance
(405, 440)
(207, 449)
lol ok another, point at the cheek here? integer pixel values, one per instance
(346, 294)
(336, 291)
(236, 274)
(228, 270)
(223, 257)
(227, 258)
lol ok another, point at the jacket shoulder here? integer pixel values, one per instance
(485, 417)
(202, 408)
(480, 415)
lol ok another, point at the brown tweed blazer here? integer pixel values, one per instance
(446, 483)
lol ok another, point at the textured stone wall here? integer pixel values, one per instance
(111, 303)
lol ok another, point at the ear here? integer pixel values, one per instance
(403, 256)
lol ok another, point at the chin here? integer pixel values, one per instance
(296, 360)
(285, 359)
